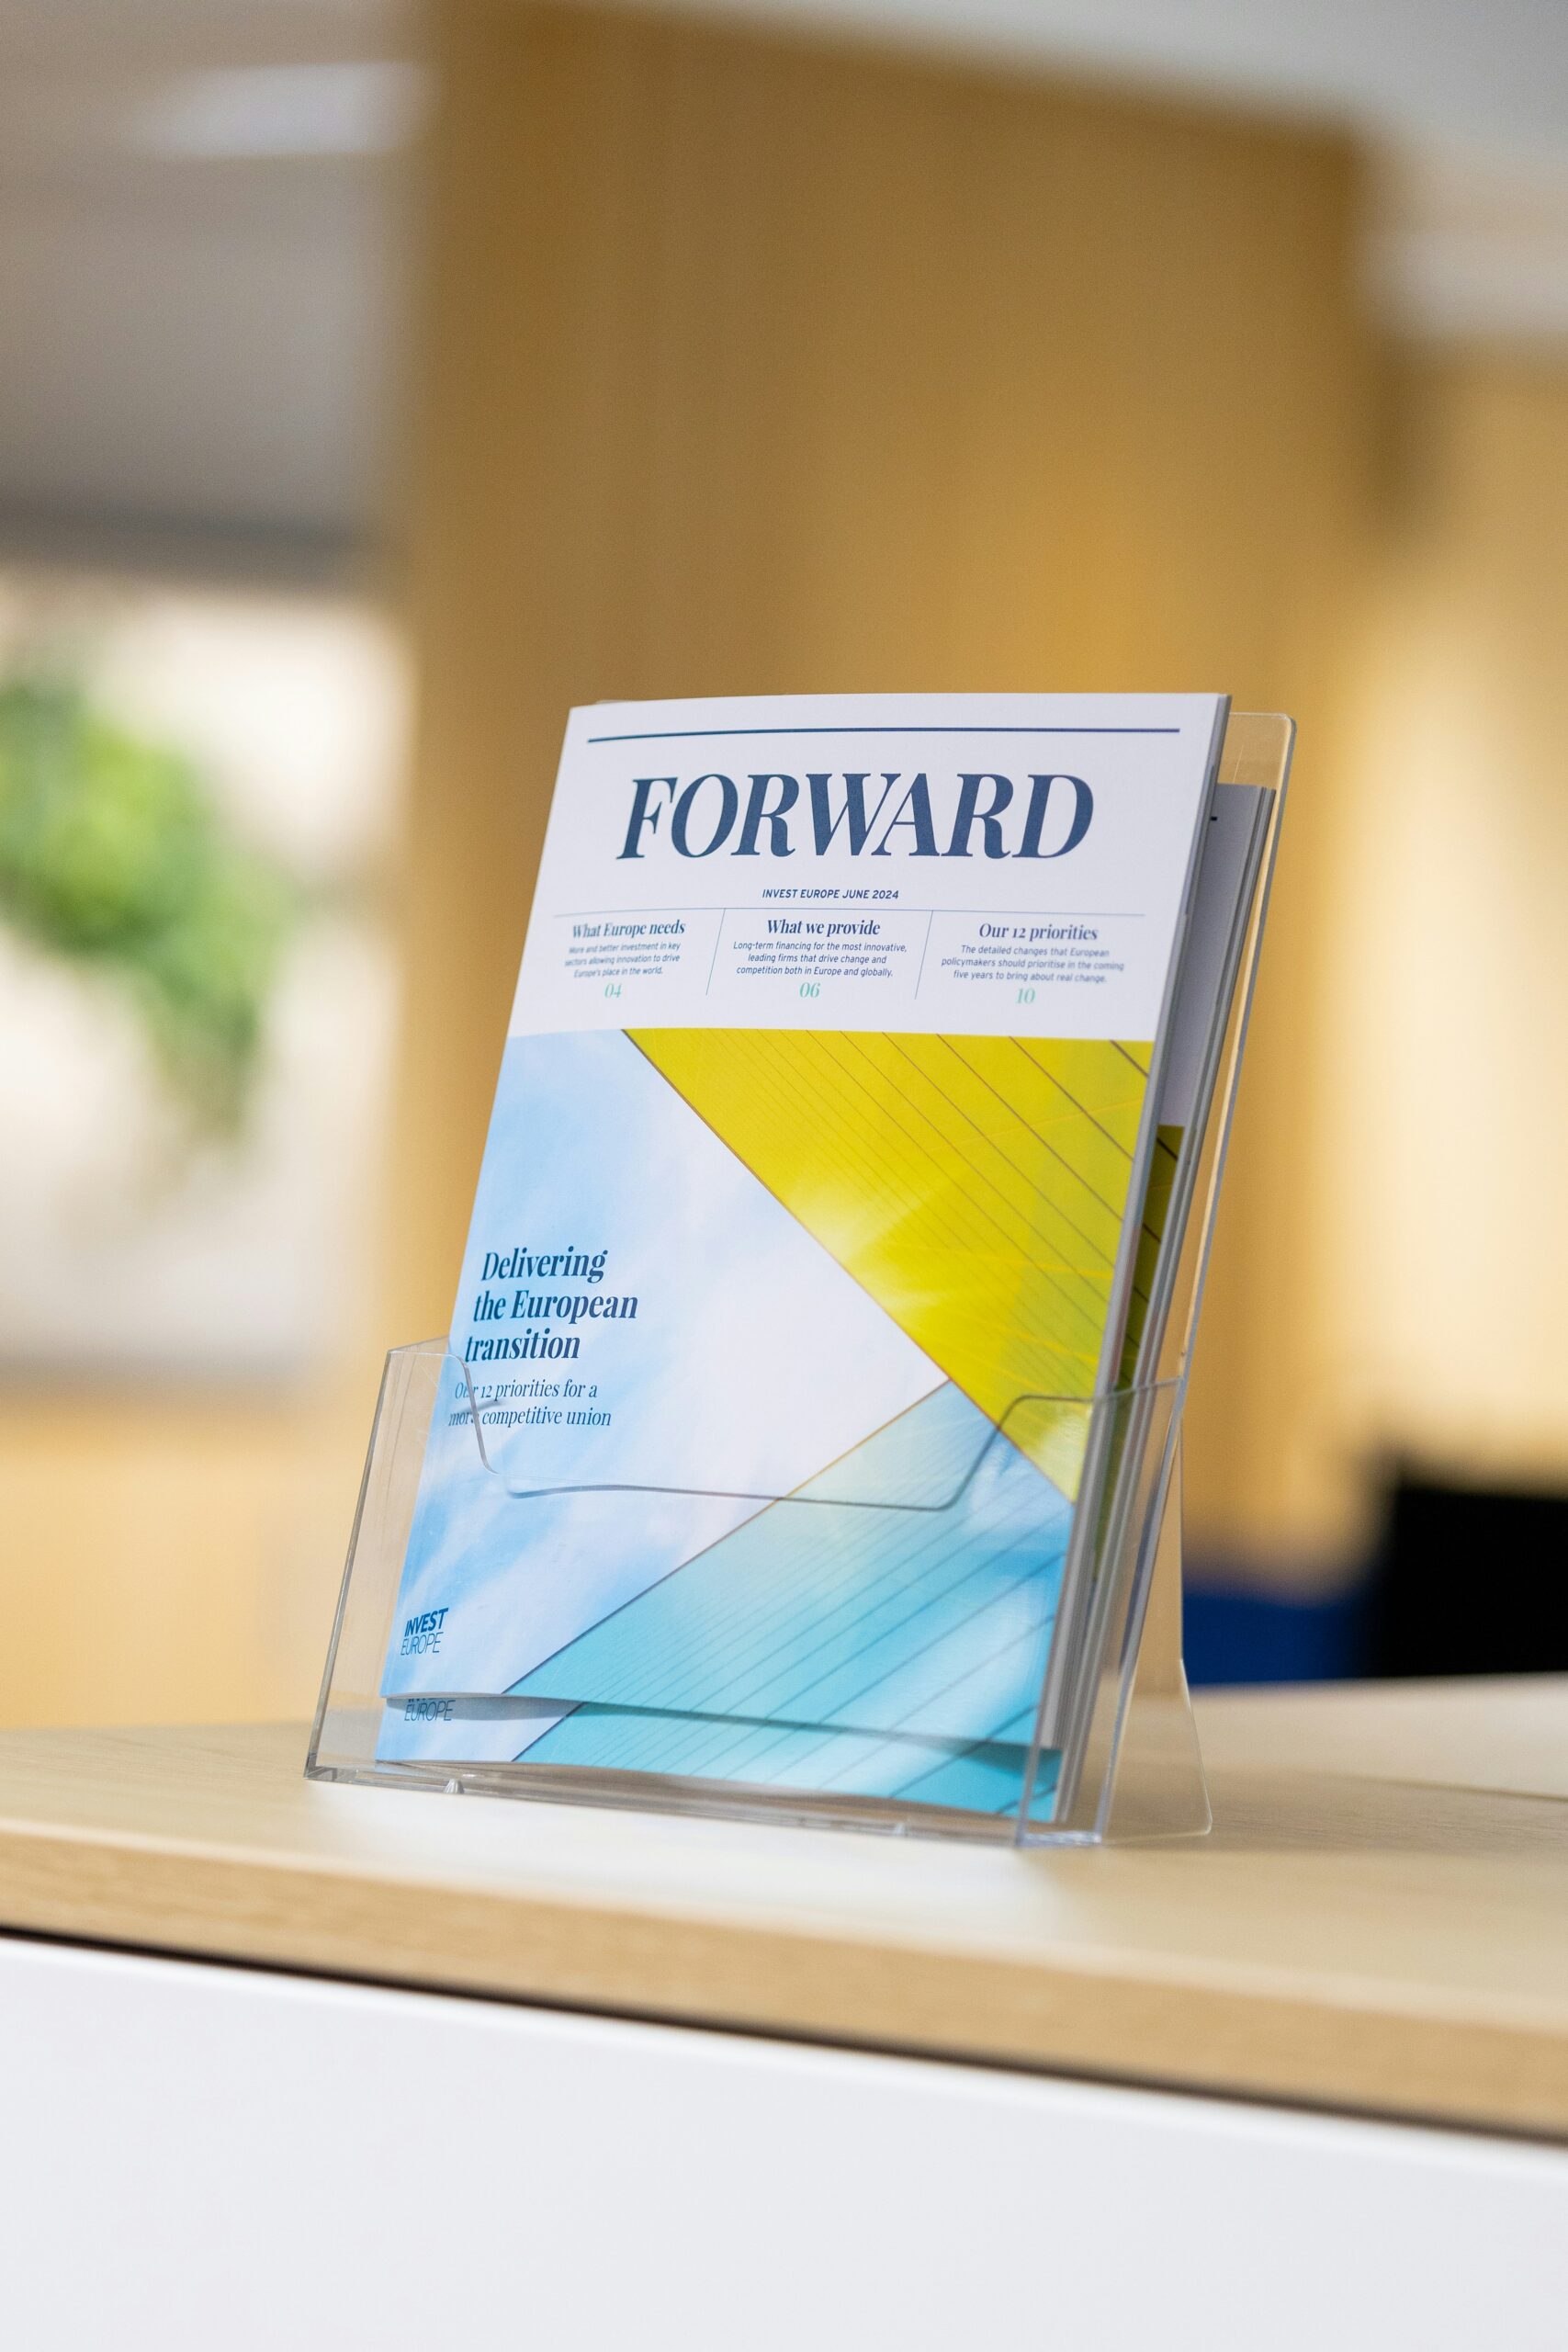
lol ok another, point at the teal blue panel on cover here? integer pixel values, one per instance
(882, 1652)
(986, 1777)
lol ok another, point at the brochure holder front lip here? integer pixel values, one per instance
(1109, 1427)
(1031, 1422)
(1165, 1798)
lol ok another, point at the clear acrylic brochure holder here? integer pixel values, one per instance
(780, 1712)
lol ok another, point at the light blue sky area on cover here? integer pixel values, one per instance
(518, 1578)
(754, 1361)
(831, 1647)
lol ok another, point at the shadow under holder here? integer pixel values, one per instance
(1106, 1746)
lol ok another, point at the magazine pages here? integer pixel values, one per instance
(1232, 853)
(815, 1199)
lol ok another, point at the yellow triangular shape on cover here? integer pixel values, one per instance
(975, 1186)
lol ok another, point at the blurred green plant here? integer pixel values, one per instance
(114, 855)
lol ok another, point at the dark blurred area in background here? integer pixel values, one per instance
(1461, 1580)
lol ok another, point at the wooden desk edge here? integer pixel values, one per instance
(1053, 2014)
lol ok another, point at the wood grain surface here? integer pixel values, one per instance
(1369, 1928)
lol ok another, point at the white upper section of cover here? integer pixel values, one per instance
(989, 866)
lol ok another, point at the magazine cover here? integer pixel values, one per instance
(825, 1138)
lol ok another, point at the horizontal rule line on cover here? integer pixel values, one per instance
(744, 907)
(705, 734)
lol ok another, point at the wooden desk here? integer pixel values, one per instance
(1378, 1928)
(1380, 1922)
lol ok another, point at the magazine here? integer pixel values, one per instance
(842, 1123)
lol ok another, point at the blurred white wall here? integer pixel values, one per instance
(1466, 108)
(206, 206)
(203, 239)
(132, 1242)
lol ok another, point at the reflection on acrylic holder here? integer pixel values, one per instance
(911, 1465)
(1060, 1591)
(1003, 1789)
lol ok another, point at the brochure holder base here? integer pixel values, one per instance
(1110, 1754)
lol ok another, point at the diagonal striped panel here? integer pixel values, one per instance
(834, 1647)
(975, 1186)
(976, 1776)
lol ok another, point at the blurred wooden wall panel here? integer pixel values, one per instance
(1448, 999)
(752, 365)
